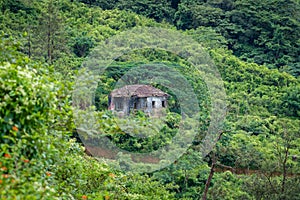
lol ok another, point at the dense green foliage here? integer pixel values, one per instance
(264, 32)
(38, 159)
(43, 44)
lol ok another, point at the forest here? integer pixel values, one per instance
(232, 126)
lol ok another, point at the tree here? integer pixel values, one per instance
(50, 41)
(82, 45)
(279, 176)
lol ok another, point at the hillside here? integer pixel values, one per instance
(50, 126)
(264, 32)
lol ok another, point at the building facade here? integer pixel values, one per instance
(137, 97)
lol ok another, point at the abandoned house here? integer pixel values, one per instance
(137, 97)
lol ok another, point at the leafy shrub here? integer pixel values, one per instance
(27, 110)
(27, 104)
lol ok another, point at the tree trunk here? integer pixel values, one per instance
(29, 44)
(284, 169)
(49, 40)
(212, 169)
(211, 174)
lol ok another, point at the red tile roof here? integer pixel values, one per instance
(137, 90)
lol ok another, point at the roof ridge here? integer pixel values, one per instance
(141, 90)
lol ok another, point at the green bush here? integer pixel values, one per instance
(26, 106)
(27, 110)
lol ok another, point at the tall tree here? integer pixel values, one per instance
(50, 40)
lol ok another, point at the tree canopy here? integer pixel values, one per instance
(255, 47)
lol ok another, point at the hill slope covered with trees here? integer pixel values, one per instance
(264, 32)
(44, 43)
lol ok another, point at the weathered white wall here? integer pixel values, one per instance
(141, 104)
(157, 100)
